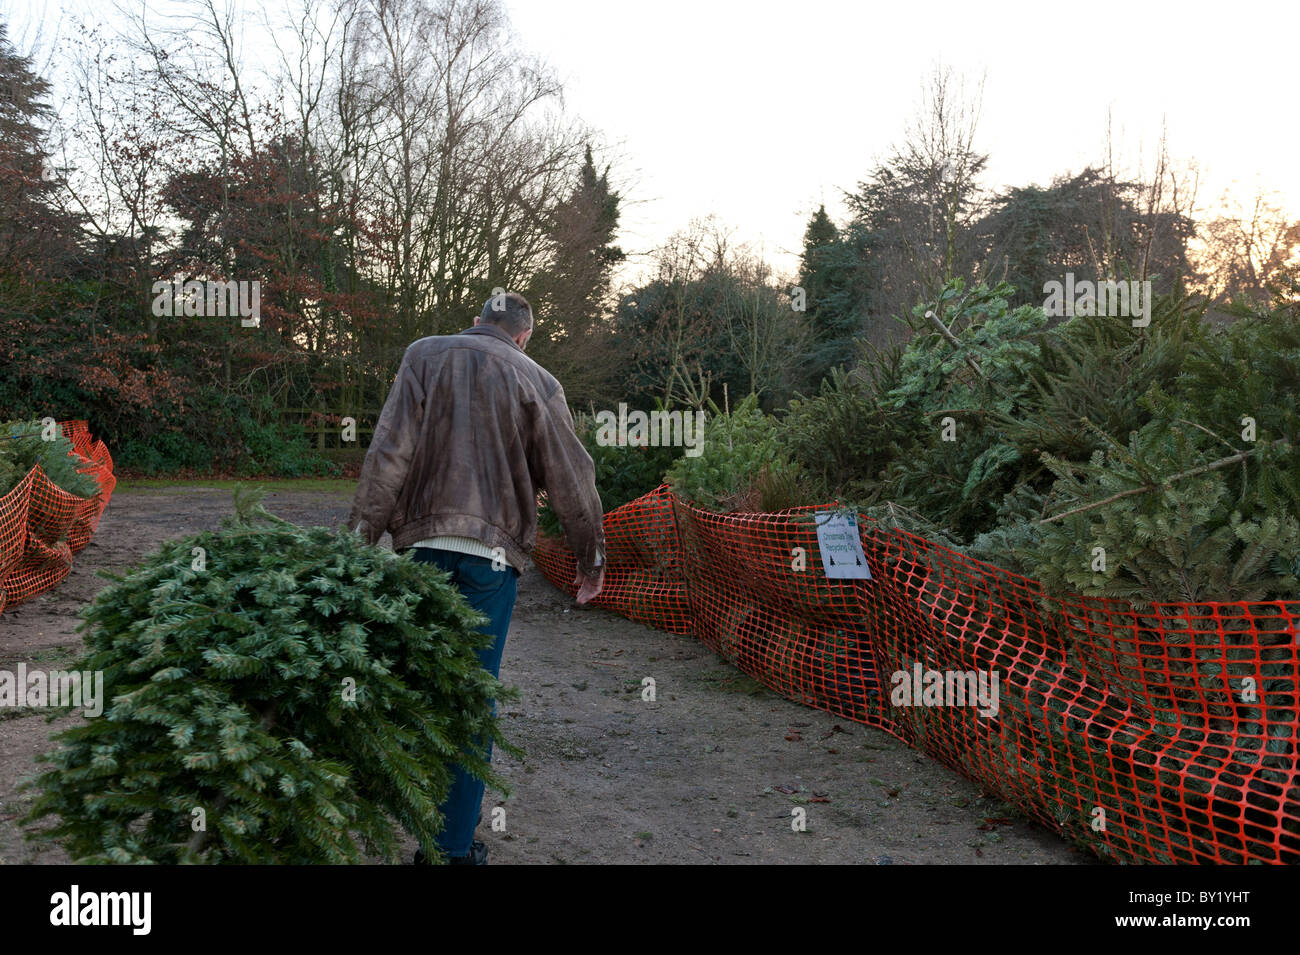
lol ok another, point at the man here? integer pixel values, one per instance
(471, 430)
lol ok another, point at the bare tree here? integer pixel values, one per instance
(768, 338)
(1165, 200)
(940, 150)
(917, 210)
(1248, 252)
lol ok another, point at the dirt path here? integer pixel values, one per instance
(708, 773)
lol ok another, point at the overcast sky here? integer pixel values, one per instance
(758, 111)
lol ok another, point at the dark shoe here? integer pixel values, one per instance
(477, 851)
(477, 856)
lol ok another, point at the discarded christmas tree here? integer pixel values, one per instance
(272, 694)
(25, 444)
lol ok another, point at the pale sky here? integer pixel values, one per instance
(758, 111)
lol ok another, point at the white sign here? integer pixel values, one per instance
(841, 547)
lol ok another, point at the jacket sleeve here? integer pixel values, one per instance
(569, 477)
(389, 457)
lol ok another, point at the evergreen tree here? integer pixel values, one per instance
(828, 272)
(272, 694)
(22, 447)
(31, 229)
(1037, 234)
(571, 295)
(917, 215)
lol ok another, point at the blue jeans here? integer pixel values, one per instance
(492, 593)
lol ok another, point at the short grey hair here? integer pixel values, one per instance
(510, 311)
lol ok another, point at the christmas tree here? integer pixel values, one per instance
(272, 694)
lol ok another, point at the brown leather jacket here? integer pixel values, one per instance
(471, 430)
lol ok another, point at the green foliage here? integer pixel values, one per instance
(572, 291)
(259, 443)
(844, 437)
(21, 448)
(303, 689)
(1185, 540)
(957, 398)
(1141, 431)
(830, 273)
(282, 450)
(1225, 531)
(1091, 375)
(743, 465)
(623, 472)
(1034, 234)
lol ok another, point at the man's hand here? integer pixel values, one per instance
(589, 587)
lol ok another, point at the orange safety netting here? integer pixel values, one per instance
(643, 575)
(43, 526)
(1161, 734)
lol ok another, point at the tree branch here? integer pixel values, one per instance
(1212, 466)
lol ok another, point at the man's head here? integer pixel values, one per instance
(511, 313)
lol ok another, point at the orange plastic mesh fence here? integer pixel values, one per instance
(43, 526)
(643, 575)
(1163, 734)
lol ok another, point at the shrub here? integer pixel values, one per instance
(623, 472)
(743, 465)
(847, 435)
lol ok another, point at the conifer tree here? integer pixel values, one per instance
(828, 270)
(271, 694)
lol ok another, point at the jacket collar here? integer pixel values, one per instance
(495, 330)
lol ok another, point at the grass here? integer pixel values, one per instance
(271, 485)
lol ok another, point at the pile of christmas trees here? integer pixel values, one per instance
(1174, 448)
